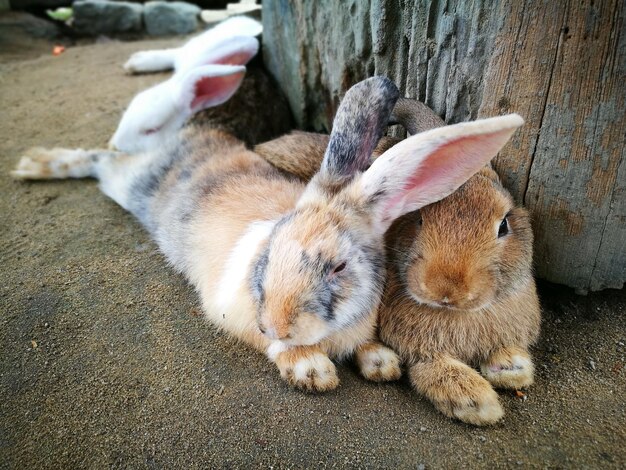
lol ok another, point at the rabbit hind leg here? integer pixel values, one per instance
(59, 163)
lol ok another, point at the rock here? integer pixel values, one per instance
(249, 9)
(95, 17)
(13, 23)
(214, 16)
(168, 18)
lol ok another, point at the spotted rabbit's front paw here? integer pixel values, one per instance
(509, 368)
(307, 368)
(377, 362)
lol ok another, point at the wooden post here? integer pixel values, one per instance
(560, 64)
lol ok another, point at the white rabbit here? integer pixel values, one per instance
(294, 270)
(155, 115)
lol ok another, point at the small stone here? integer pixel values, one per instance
(29, 24)
(482, 438)
(169, 18)
(220, 390)
(95, 17)
(422, 429)
(592, 364)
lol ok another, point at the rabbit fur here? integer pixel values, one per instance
(294, 270)
(458, 296)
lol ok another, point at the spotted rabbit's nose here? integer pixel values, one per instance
(274, 333)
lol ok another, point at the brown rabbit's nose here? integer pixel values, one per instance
(446, 290)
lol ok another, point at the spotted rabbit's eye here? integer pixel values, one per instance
(503, 229)
(340, 267)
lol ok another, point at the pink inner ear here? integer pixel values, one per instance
(236, 58)
(443, 171)
(435, 167)
(212, 91)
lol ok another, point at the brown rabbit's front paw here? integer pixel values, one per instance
(377, 362)
(457, 390)
(308, 369)
(509, 368)
(482, 409)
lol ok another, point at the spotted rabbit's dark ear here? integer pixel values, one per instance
(360, 122)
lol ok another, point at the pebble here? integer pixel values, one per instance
(103, 17)
(166, 18)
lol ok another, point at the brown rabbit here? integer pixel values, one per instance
(460, 291)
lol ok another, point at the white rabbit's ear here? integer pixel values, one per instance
(232, 51)
(429, 166)
(208, 86)
(230, 42)
(236, 26)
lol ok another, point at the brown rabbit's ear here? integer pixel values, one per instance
(360, 122)
(429, 166)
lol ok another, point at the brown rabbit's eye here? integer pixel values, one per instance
(340, 267)
(504, 228)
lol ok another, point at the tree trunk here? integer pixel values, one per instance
(560, 64)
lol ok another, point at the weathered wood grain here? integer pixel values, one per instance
(574, 170)
(560, 64)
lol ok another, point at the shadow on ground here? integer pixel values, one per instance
(106, 362)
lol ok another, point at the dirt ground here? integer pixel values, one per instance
(106, 362)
